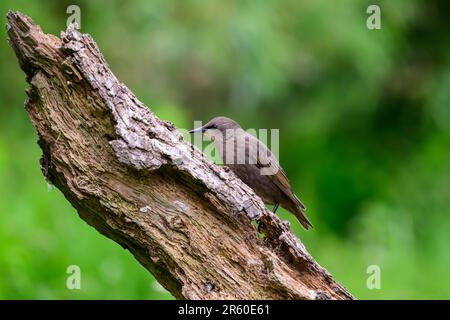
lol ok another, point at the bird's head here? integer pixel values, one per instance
(218, 126)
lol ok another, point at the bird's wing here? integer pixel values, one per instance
(282, 182)
(265, 159)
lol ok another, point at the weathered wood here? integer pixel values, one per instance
(133, 178)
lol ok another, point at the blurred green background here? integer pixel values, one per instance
(365, 133)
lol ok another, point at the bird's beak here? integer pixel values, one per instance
(201, 129)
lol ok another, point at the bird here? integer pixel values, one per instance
(253, 163)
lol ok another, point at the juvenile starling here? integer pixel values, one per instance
(254, 164)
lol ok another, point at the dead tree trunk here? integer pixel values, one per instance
(133, 178)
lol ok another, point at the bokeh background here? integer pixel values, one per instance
(365, 133)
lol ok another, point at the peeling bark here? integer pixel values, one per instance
(132, 177)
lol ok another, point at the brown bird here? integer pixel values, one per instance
(254, 164)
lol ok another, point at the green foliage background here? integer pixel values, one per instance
(365, 133)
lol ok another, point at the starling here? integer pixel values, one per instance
(254, 164)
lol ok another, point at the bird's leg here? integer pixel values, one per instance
(275, 207)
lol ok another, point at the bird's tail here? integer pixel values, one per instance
(299, 211)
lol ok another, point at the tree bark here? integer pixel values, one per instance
(133, 178)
